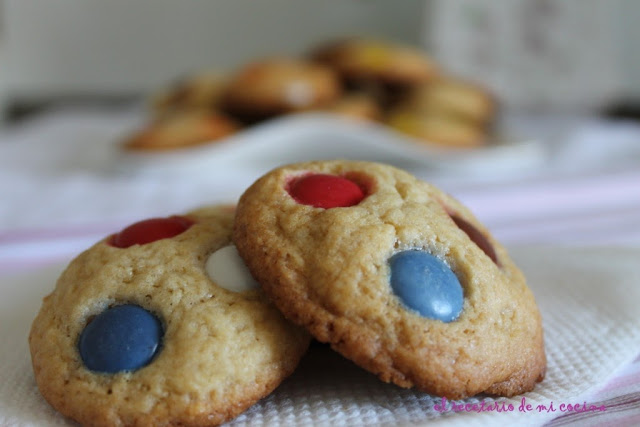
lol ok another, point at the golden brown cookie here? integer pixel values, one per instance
(395, 274)
(446, 111)
(280, 85)
(369, 60)
(453, 97)
(201, 91)
(182, 129)
(357, 106)
(437, 128)
(137, 332)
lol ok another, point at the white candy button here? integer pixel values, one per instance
(227, 270)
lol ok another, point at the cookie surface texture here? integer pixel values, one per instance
(279, 85)
(199, 354)
(330, 270)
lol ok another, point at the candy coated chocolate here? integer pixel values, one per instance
(150, 230)
(325, 191)
(121, 338)
(426, 284)
(476, 237)
(227, 270)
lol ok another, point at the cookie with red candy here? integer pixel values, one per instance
(395, 274)
(161, 324)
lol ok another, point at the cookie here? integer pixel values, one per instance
(276, 86)
(361, 60)
(446, 111)
(201, 91)
(357, 106)
(453, 97)
(395, 274)
(159, 325)
(180, 130)
(434, 127)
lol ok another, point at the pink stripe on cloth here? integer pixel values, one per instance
(551, 180)
(623, 421)
(629, 378)
(503, 203)
(28, 254)
(615, 406)
(60, 232)
(606, 231)
(24, 249)
(8, 267)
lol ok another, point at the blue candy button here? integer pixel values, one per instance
(426, 284)
(122, 338)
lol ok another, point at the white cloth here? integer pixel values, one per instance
(64, 185)
(589, 301)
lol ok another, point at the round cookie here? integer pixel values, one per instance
(137, 332)
(446, 111)
(454, 97)
(180, 130)
(434, 127)
(198, 92)
(358, 107)
(280, 85)
(399, 277)
(368, 60)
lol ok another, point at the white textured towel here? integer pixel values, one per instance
(589, 300)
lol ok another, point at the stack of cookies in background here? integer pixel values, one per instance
(361, 79)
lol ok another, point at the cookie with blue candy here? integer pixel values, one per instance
(395, 274)
(161, 324)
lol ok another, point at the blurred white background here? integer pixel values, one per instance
(573, 54)
(554, 66)
(60, 47)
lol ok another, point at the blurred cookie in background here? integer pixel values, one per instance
(182, 129)
(357, 106)
(275, 86)
(200, 91)
(452, 96)
(446, 111)
(359, 78)
(362, 61)
(437, 128)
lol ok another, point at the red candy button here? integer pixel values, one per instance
(150, 230)
(476, 237)
(325, 191)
